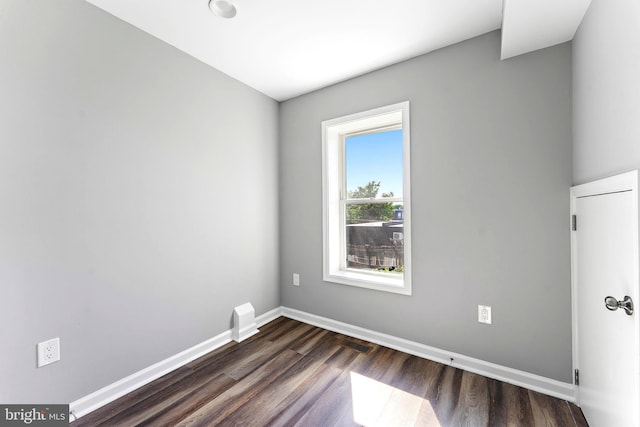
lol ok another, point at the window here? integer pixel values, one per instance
(367, 230)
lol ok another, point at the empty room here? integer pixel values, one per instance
(411, 213)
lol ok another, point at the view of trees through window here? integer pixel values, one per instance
(370, 211)
(373, 208)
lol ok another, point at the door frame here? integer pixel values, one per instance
(627, 181)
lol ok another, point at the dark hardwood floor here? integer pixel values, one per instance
(294, 374)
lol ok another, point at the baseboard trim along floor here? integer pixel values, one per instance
(95, 400)
(132, 382)
(524, 379)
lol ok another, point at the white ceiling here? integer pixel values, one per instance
(286, 48)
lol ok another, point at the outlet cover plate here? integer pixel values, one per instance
(296, 279)
(484, 314)
(48, 352)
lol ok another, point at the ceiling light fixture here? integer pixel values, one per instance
(223, 8)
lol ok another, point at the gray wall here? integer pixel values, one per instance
(491, 171)
(138, 199)
(606, 90)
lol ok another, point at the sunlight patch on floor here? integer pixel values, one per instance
(379, 404)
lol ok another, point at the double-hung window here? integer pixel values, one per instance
(366, 199)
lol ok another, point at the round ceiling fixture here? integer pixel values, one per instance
(223, 8)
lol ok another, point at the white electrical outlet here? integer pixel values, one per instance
(296, 279)
(48, 352)
(484, 314)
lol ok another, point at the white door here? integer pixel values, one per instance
(605, 264)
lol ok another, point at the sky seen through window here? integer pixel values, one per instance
(375, 157)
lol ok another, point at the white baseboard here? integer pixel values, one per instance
(108, 394)
(269, 316)
(527, 380)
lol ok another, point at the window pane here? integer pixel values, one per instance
(375, 237)
(374, 165)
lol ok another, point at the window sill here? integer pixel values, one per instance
(378, 282)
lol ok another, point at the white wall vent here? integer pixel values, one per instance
(244, 322)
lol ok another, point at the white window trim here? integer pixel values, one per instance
(332, 188)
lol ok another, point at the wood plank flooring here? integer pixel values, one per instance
(294, 374)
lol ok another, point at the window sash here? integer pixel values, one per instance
(372, 200)
(343, 230)
(346, 201)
